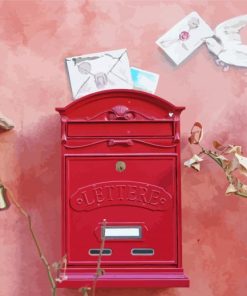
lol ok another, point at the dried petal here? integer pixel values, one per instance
(196, 133)
(56, 265)
(5, 123)
(232, 165)
(243, 163)
(194, 162)
(243, 171)
(218, 146)
(194, 159)
(233, 149)
(243, 190)
(196, 166)
(231, 189)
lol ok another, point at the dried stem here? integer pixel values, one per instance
(229, 177)
(229, 166)
(35, 239)
(99, 271)
(84, 291)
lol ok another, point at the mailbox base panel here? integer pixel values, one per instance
(78, 279)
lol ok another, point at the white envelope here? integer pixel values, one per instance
(185, 37)
(94, 72)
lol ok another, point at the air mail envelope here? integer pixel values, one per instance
(144, 80)
(185, 37)
(99, 71)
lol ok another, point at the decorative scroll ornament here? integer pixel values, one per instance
(123, 142)
(120, 112)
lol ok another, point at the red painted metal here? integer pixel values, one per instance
(121, 163)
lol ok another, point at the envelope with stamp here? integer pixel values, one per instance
(99, 71)
(185, 37)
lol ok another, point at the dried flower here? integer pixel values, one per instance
(228, 157)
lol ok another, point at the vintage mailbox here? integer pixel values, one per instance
(121, 193)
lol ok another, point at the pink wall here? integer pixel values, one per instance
(35, 37)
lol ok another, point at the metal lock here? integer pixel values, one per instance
(120, 166)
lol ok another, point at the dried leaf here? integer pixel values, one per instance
(196, 166)
(243, 163)
(243, 171)
(194, 162)
(218, 146)
(243, 190)
(196, 133)
(231, 189)
(232, 165)
(233, 149)
(84, 291)
(5, 123)
(100, 272)
(56, 265)
(61, 278)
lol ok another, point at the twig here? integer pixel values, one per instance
(99, 271)
(84, 291)
(35, 239)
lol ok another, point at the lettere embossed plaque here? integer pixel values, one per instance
(121, 165)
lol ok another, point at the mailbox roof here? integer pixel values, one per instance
(100, 98)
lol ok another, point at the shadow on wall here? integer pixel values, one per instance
(38, 191)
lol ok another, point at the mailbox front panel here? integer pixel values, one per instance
(121, 193)
(140, 195)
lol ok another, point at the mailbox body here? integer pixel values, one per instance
(121, 192)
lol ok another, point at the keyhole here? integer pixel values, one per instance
(120, 166)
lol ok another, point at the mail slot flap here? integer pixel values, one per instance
(121, 128)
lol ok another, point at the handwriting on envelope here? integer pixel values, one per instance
(99, 71)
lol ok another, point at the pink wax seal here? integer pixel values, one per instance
(184, 35)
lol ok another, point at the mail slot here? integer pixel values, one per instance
(121, 191)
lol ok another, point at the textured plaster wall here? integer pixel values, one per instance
(35, 37)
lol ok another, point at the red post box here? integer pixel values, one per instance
(121, 165)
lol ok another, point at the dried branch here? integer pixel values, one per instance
(84, 291)
(61, 265)
(63, 262)
(99, 270)
(237, 163)
(35, 239)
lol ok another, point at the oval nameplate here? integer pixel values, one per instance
(117, 193)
